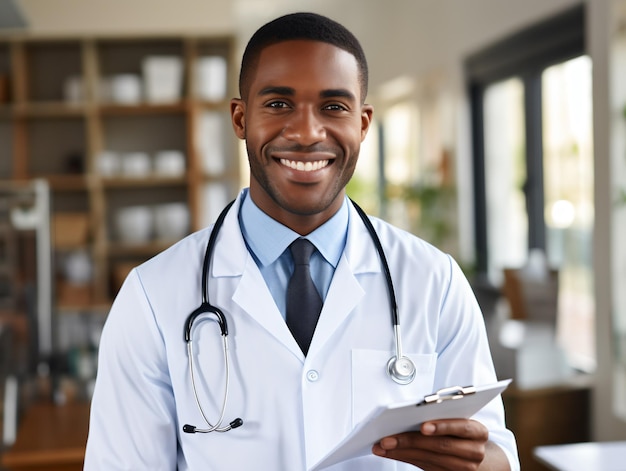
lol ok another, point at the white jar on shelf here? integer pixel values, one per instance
(136, 164)
(126, 89)
(211, 78)
(169, 163)
(163, 77)
(213, 198)
(108, 163)
(134, 224)
(74, 90)
(211, 142)
(171, 221)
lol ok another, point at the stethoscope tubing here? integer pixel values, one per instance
(204, 308)
(400, 368)
(209, 252)
(383, 260)
(216, 427)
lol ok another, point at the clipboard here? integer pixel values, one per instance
(449, 403)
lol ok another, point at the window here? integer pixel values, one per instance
(415, 181)
(568, 200)
(505, 174)
(533, 166)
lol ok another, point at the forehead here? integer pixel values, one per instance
(306, 63)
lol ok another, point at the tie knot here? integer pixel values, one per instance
(301, 250)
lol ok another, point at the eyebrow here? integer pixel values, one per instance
(288, 91)
(277, 91)
(338, 93)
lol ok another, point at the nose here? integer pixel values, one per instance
(305, 126)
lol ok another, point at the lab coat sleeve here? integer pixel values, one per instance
(132, 423)
(464, 356)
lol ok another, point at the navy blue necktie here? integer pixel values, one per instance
(304, 303)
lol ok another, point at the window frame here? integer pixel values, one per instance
(525, 54)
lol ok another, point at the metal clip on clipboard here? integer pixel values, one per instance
(446, 394)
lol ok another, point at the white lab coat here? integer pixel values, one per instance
(294, 409)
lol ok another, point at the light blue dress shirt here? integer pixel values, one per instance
(268, 240)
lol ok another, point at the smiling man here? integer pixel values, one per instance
(303, 120)
(306, 368)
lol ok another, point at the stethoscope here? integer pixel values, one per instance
(400, 368)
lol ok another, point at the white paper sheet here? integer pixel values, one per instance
(398, 418)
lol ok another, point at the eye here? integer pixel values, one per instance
(335, 107)
(277, 104)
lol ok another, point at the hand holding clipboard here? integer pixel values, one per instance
(449, 403)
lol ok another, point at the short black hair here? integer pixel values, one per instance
(298, 26)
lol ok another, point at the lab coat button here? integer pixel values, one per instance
(312, 375)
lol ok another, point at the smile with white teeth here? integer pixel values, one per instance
(304, 166)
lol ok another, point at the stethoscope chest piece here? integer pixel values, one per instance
(401, 370)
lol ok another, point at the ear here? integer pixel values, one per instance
(238, 117)
(367, 113)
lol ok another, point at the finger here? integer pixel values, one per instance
(430, 453)
(468, 429)
(467, 449)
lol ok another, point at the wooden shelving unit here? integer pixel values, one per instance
(57, 117)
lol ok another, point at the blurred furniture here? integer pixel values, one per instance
(115, 122)
(532, 298)
(524, 343)
(7, 382)
(605, 456)
(548, 416)
(50, 437)
(26, 261)
(26, 316)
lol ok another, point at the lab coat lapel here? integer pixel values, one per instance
(344, 295)
(345, 292)
(254, 297)
(239, 280)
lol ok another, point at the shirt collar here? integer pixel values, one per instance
(267, 239)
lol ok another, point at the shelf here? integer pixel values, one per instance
(144, 249)
(212, 105)
(47, 66)
(67, 182)
(142, 109)
(62, 110)
(50, 109)
(99, 308)
(144, 182)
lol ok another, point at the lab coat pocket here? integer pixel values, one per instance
(373, 387)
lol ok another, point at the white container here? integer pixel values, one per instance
(136, 165)
(214, 197)
(171, 221)
(211, 142)
(109, 164)
(126, 89)
(211, 77)
(74, 90)
(77, 267)
(134, 224)
(169, 163)
(163, 77)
